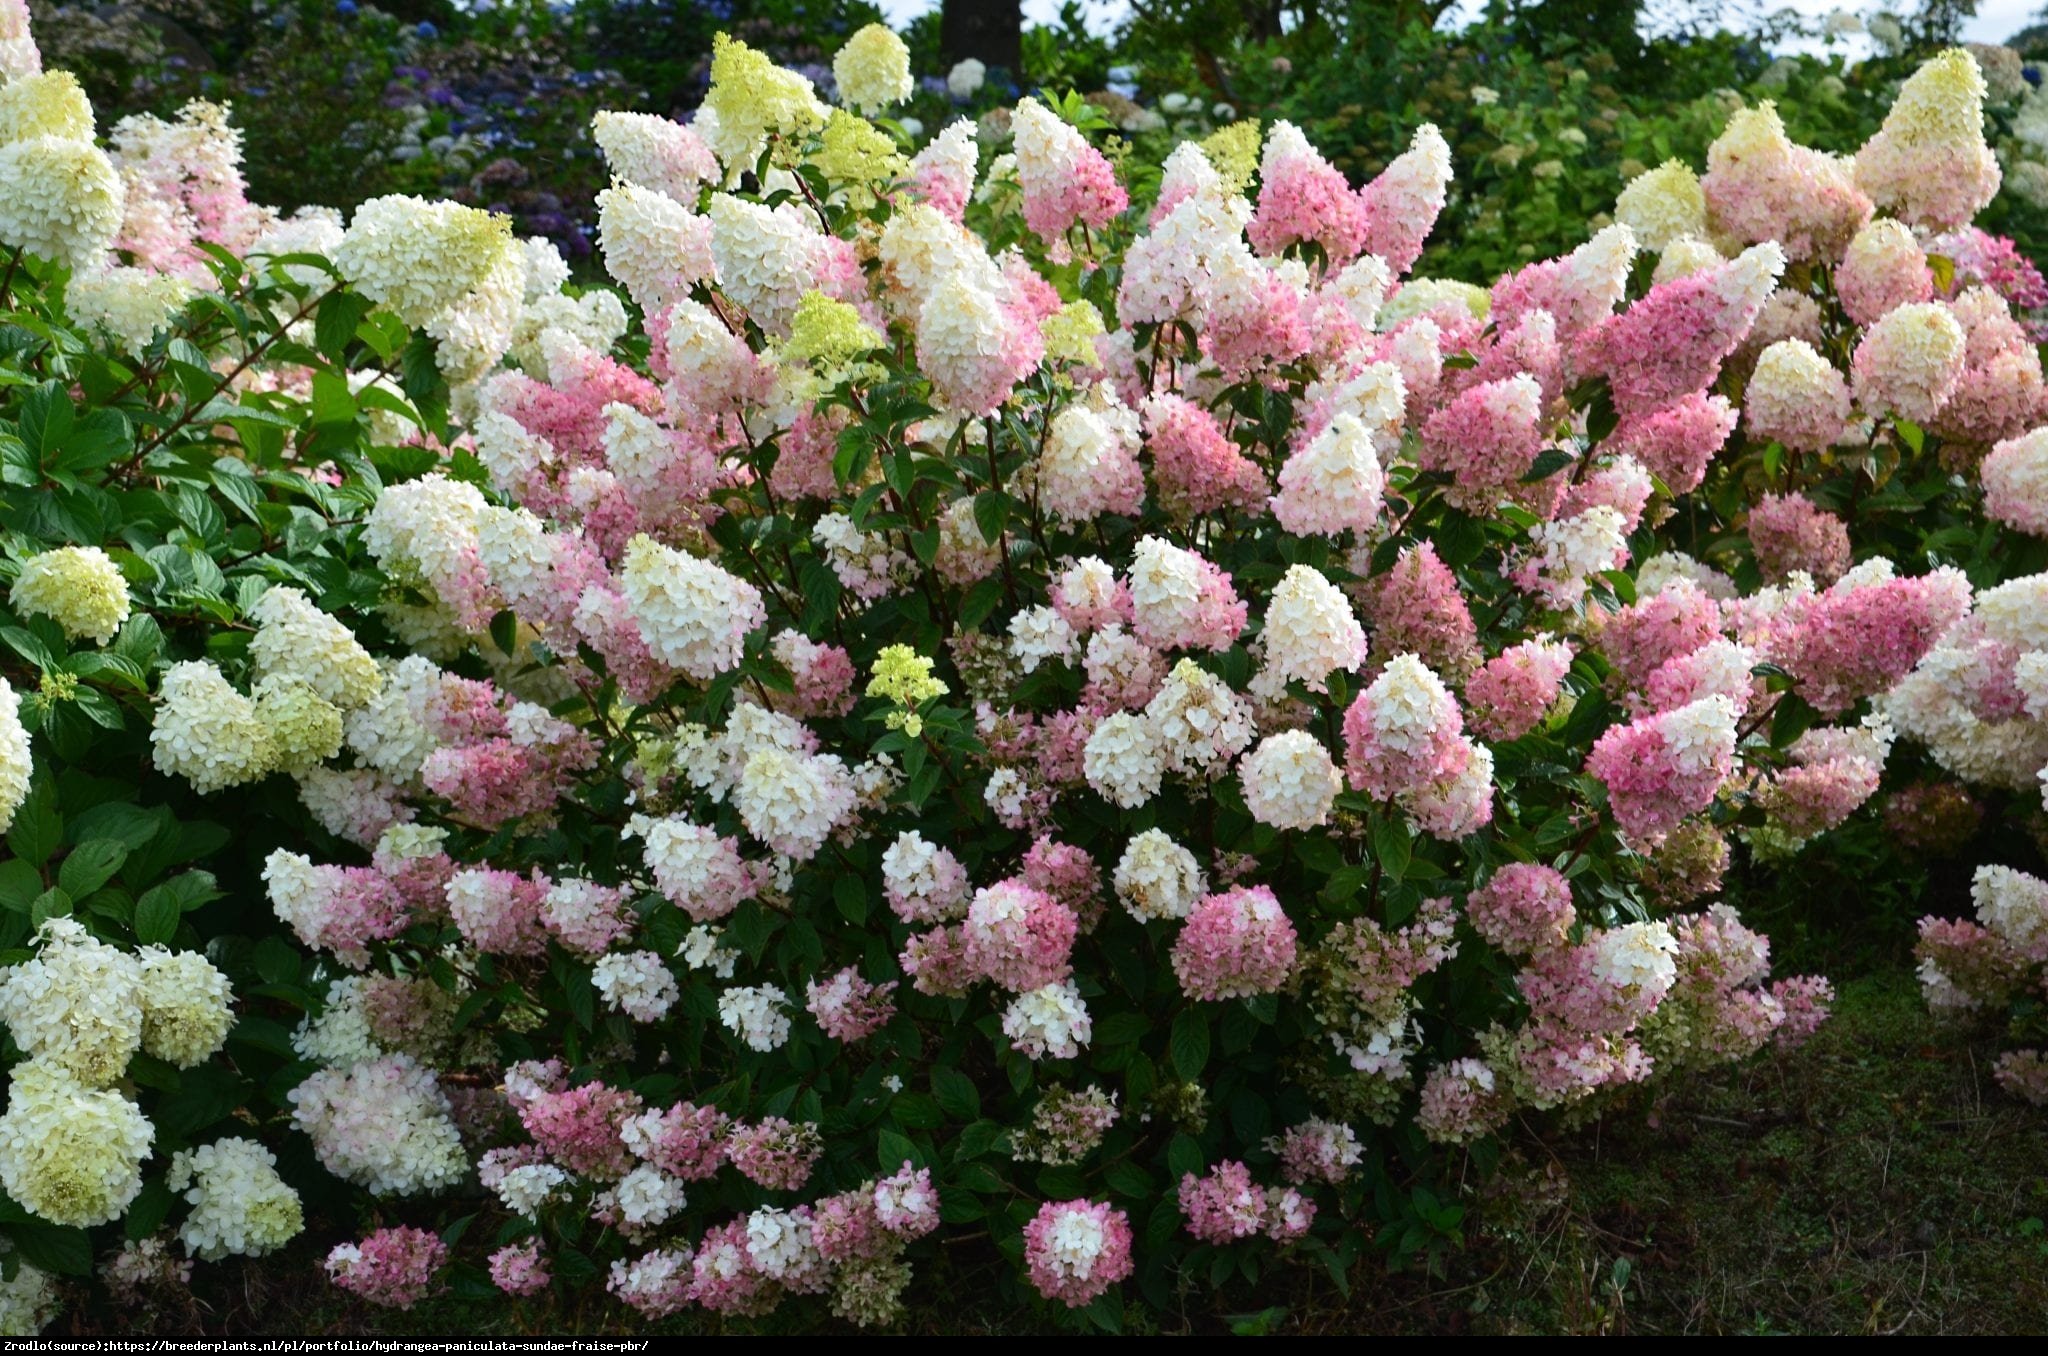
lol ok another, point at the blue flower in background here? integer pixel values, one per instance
(345, 8)
(427, 30)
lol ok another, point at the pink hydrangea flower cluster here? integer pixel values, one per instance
(1076, 1250)
(392, 1267)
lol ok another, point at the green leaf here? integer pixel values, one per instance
(916, 1111)
(335, 324)
(90, 865)
(68, 1252)
(149, 1210)
(1392, 844)
(156, 917)
(1189, 1044)
(1547, 464)
(38, 828)
(1184, 1155)
(956, 1094)
(893, 1149)
(19, 885)
(851, 895)
(991, 512)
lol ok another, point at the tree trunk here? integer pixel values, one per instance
(990, 31)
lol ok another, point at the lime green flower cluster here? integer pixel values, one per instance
(904, 676)
(829, 333)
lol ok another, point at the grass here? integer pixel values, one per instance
(1875, 1181)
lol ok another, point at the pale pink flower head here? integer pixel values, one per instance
(1524, 909)
(723, 1276)
(1929, 163)
(1677, 441)
(1021, 938)
(582, 1128)
(1864, 634)
(1403, 731)
(499, 911)
(1515, 690)
(773, 1152)
(1074, 1251)
(1812, 798)
(1621, 483)
(906, 1202)
(1402, 204)
(1196, 468)
(1333, 484)
(1067, 874)
(1066, 182)
(391, 1267)
(942, 174)
(1674, 339)
(1417, 608)
(1485, 438)
(1224, 1206)
(1180, 601)
(2001, 391)
(1303, 199)
(1461, 1101)
(1883, 268)
(847, 1007)
(1761, 186)
(1909, 363)
(685, 1141)
(1318, 1151)
(1796, 397)
(1675, 620)
(1790, 532)
(520, 1269)
(1236, 944)
(1659, 769)
(1578, 290)
(2015, 478)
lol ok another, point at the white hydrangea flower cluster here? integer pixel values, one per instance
(872, 70)
(296, 639)
(207, 732)
(384, 1125)
(1290, 781)
(77, 1005)
(693, 615)
(656, 247)
(240, 1206)
(340, 1037)
(453, 271)
(1640, 958)
(187, 1007)
(133, 305)
(923, 881)
(646, 1197)
(27, 1302)
(1157, 878)
(1050, 1021)
(1310, 633)
(1124, 760)
(529, 1188)
(16, 763)
(69, 1153)
(61, 198)
(78, 587)
(637, 984)
(758, 1015)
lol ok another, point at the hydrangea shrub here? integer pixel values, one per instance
(963, 704)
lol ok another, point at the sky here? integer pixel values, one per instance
(1996, 19)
